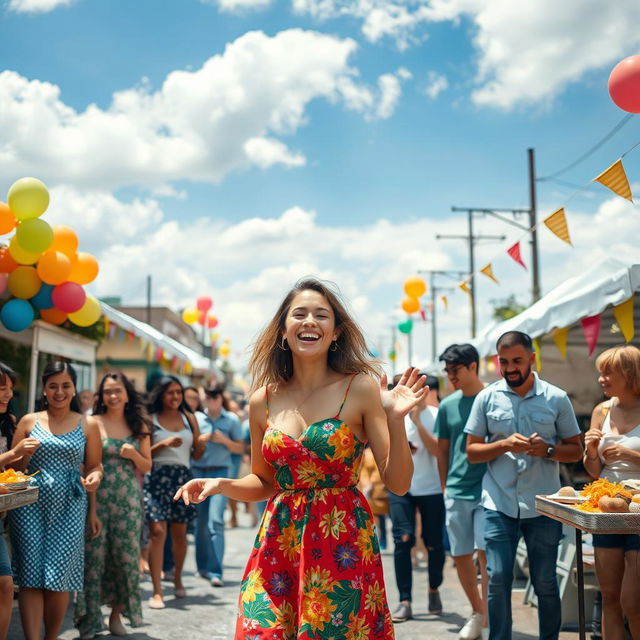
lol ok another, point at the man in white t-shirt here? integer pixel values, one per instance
(425, 495)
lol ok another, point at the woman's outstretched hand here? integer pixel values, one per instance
(399, 401)
(196, 490)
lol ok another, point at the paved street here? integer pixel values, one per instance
(209, 614)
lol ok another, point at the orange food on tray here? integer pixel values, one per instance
(598, 489)
(11, 476)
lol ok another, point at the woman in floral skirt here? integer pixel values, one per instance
(315, 569)
(111, 574)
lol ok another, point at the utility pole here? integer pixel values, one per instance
(471, 239)
(535, 264)
(434, 289)
(148, 300)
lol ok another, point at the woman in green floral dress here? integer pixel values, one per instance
(116, 513)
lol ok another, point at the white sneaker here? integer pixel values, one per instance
(472, 628)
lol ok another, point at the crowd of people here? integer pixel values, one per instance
(335, 452)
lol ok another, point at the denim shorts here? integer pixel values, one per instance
(5, 565)
(625, 541)
(465, 526)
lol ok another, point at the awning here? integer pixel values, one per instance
(171, 348)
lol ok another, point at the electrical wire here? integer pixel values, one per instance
(593, 149)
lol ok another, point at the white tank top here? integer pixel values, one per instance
(619, 470)
(172, 455)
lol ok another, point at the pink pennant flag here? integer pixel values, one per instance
(591, 330)
(514, 252)
(423, 315)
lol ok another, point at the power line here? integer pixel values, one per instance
(593, 149)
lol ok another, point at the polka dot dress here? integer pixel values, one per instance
(48, 536)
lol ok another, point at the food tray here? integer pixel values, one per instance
(16, 486)
(18, 498)
(589, 521)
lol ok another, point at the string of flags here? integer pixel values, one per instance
(613, 178)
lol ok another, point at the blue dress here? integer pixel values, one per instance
(48, 536)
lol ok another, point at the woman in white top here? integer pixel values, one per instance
(175, 440)
(612, 451)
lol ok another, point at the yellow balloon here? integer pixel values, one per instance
(24, 282)
(88, 314)
(224, 350)
(214, 336)
(415, 287)
(21, 255)
(28, 198)
(190, 315)
(34, 235)
(410, 305)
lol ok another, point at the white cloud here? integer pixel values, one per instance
(237, 6)
(200, 125)
(37, 6)
(436, 84)
(389, 86)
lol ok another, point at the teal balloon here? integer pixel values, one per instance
(406, 326)
(16, 315)
(42, 299)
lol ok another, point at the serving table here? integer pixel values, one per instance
(589, 522)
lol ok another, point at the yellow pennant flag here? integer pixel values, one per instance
(615, 178)
(557, 224)
(445, 302)
(465, 287)
(536, 347)
(623, 313)
(560, 338)
(488, 271)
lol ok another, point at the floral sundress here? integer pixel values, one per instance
(315, 570)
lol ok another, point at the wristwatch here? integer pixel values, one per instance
(551, 450)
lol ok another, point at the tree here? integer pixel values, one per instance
(507, 308)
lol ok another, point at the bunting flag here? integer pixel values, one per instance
(557, 224)
(536, 348)
(623, 313)
(591, 330)
(105, 321)
(514, 252)
(423, 315)
(487, 270)
(465, 287)
(445, 302)
(560, 338)
(149, 352)
(615, 178)
(159, 354)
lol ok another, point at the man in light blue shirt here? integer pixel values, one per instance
(225, 437)
(522, 427)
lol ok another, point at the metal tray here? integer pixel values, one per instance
(587, 521)
(18, 498)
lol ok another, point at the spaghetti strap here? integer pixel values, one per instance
(346, 393)
(266, 397)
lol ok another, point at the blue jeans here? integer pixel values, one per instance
(210, 527)
(541, 535)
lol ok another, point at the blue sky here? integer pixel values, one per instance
(230, 147)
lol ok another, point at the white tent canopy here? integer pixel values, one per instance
(609, 282)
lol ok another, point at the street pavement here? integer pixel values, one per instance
(208, 613)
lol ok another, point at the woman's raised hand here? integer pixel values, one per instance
(399, 401)
(196, 490)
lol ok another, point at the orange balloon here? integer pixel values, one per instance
(8, 221)
(53, 316)
(7, 263)
(415, 287)
(64, 240)
(54, 267)
(410, 305)
(84, 269)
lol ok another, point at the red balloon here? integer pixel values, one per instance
(212, 322)
(204, 303)
(68, 297)
(624, 84)
(202, 317)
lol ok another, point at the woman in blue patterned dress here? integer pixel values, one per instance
(112, 549)
(48, 536)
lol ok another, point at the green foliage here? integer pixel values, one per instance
(507, 308)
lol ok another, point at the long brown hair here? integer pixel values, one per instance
(270, 363)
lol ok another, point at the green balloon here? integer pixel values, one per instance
(405, 326)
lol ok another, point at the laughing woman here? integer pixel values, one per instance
(315, 570)
(48, 536)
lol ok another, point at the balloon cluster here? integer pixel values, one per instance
(200, 315)
(414, 288)
(41, 267)
(624, 84)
